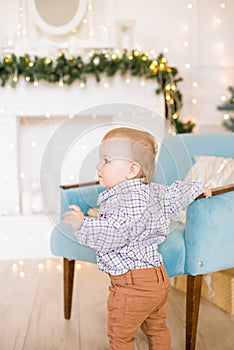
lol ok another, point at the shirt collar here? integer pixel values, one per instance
(125, 186)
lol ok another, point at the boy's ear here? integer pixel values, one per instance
(134, 169)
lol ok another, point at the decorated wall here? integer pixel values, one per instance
(193, 35)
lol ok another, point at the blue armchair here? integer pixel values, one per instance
(204, 244)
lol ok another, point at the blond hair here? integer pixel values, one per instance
(141, 137)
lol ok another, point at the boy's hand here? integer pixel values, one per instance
(207, 192)
(73, 217)
(93, 212)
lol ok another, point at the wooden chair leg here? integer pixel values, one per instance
(192, 309)
(68, 277)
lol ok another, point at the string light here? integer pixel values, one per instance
(96, 61)
(59, 267)
(40, 266)
(78, 266)
(14, 267)
(161, 66)
(173, 87)
(22, 274)
(15, 77)
(226, 116)
(114, 56)
(35, 83)
(195, 84)
(223, 98)
(223, 5)
(91, 53)
(139, 48)
(61, 82)
(187, 66)
(91, 33)
(168, 97)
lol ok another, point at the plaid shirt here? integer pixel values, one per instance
(133, 220)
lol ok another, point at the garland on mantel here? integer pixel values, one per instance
(67, 70)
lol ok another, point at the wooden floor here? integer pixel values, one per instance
(31, 312)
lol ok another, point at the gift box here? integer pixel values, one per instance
(217, 287)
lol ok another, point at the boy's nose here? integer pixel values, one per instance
(99, 165)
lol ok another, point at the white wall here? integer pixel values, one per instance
(204, 26)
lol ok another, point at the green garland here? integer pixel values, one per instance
(65, 70)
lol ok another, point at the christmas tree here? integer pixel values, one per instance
(228, 107)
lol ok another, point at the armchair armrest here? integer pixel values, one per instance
(63, 242)
(84, 195)
(209, 232)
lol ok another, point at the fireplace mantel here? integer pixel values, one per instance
(29, 100)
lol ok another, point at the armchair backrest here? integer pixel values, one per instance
(176, 155)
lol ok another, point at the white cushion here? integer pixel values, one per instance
(213, 171)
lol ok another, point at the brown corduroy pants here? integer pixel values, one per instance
(138, 299)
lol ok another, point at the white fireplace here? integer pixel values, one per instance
(29, 116)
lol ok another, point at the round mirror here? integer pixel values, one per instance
(57, 17)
